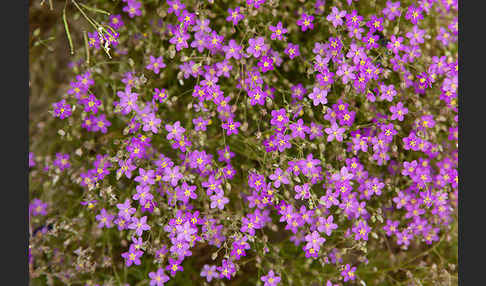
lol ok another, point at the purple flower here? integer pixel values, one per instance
(279, 118)
(100, 123)
(175, 7)
(348, 273)
(116, 21)
(299, 129)
(302, 191)
(94, 40)
(336, 16)
(371, 41)
(145, 177)
(62, 161)
(416, 35)
(160, 95)
(315, 131)
(334, 132)
(155, 64)
(180, 40)
(387, 92)
(375, 24)
(31, 159)
(125, 209)
(278, 31)
(151, 123)
(158, 278)
(91, 103)
(411, 142)
(209, 272)
(395, 44)
(37, 207)
(391, 227)
(392, 10)
(265, 63)
(231, 126)
(326, 225)
(234, 15)
(361, 230)
(105, 219)
(62, 109)
(218, 200)
(139, 225)
(305, 22)
(283, 141)
(255, 3)
(414, 14)
(398, 111)
(279, 177)
(172, 175)
(200, 123)
(226, 269)
(186, 192)
(143, 194)
(257, 46)
(187, 19)
(202, 25)
(132, 256)
(174, 266)
(318, 96)
(185, 231)
(175, 131)
(232, 50)
(133, 8)
(314, 242)
(225, 155)
(270, 279)
(128, 100)
(292, 50)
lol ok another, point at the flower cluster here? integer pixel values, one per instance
(311, 136)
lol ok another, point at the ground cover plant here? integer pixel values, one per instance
(257, 142)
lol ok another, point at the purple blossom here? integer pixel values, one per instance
(292, 50)
(270, 279)
(174, 266)
(172, 175)
(158, 278)
(218, 200)
(318, 96)
(326, 225)
(234, 15)
(336, 16)
(398, 111)
(279, 118)
(133, 8)
(155, 64)
(180, 40)
(349, 273)
(62, 109)
(116, 21)
(278, 31)
(210, 272)
(257, 46)
(132, 256)
(227, 269)
(305, 22)
(392, 10)
(175, 131)
(231, 126)
(139, 225)
(105, 219)
(334, 132)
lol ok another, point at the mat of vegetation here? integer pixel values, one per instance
(245, 142)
